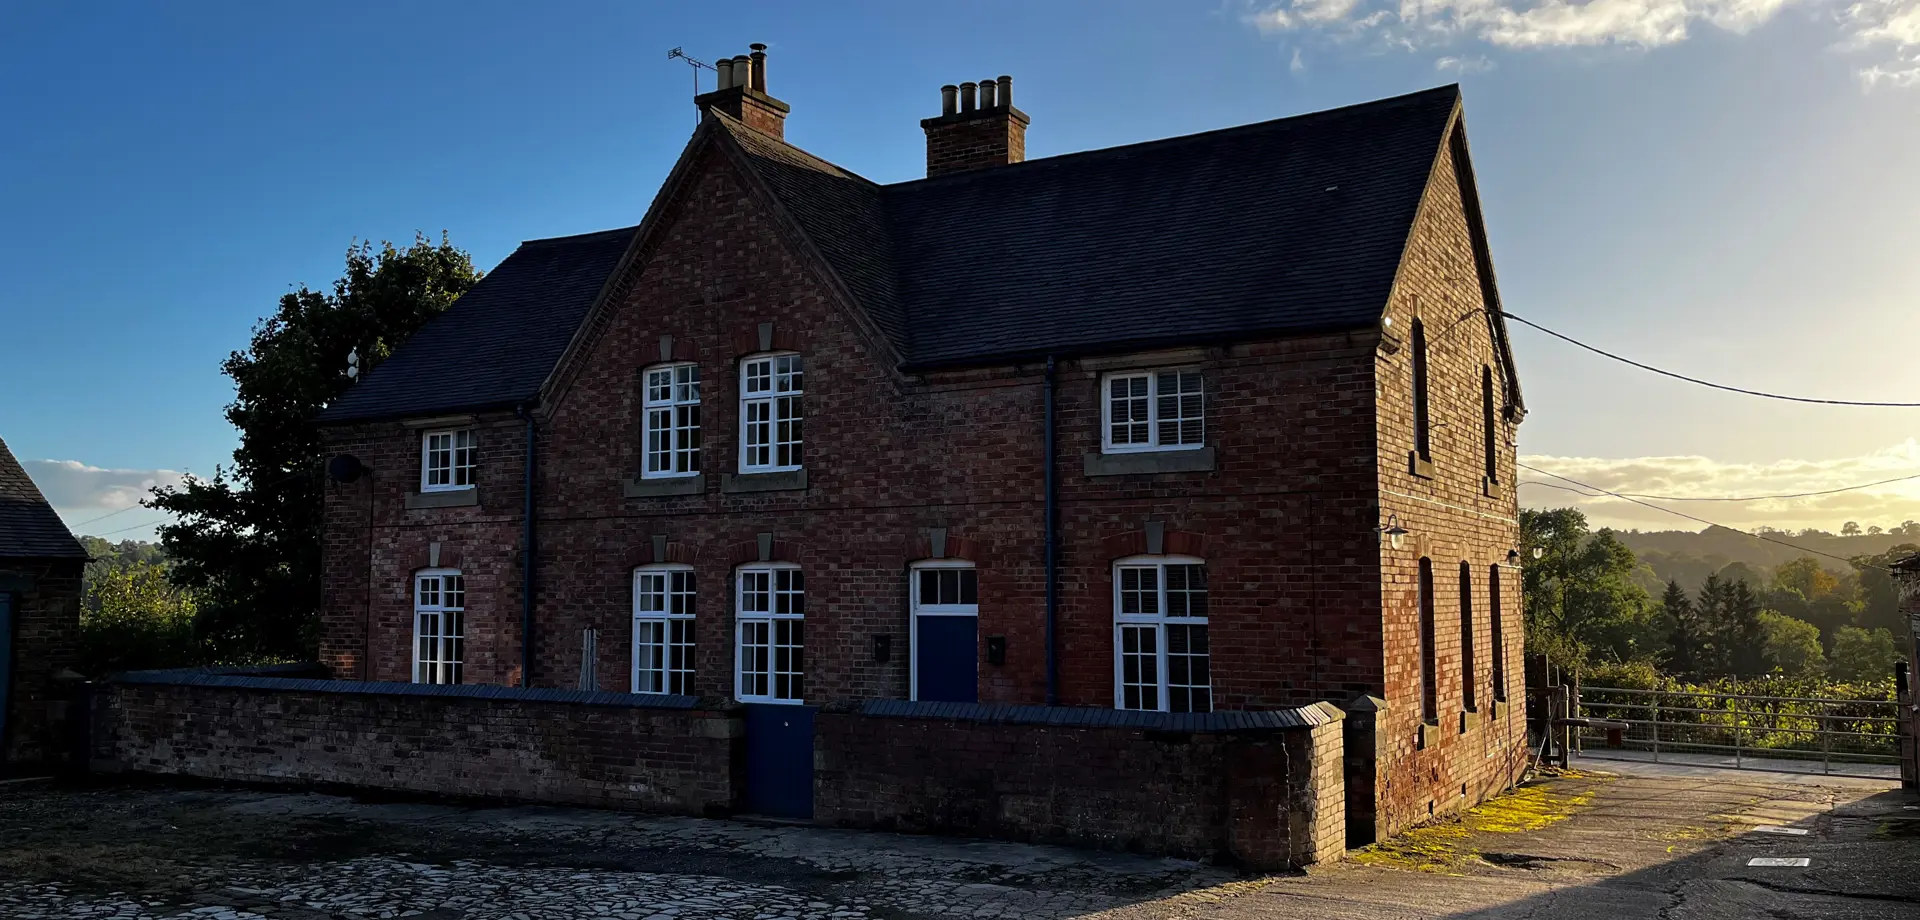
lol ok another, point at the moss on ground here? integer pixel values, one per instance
(1450, 846)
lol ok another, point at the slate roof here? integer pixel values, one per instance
(28, 526)
(495, 346)
(1282, 227)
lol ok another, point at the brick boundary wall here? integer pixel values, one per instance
(1261, 789)
(669, 754)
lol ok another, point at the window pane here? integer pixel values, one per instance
(929, 586)
(1186, 590)
(1188, 687)
(969, 591)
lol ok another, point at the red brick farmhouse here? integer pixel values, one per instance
(1214, 423)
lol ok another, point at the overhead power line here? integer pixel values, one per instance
(1738, 498)
(109, 514)
(1697, 520)
(125, 529)
(1706, 383)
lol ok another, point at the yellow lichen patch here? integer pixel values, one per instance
(1447, 847)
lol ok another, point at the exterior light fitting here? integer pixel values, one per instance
(1391, 533)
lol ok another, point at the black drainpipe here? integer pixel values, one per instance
(1053, 548)
(527, 559)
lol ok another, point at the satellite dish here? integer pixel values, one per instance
(345, 468)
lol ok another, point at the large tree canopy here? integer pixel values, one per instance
(248, 539)
(1583, 601)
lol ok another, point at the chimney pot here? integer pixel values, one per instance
(759, 66)
(1006, 90)
(966, 95)
(985, 131)
(987, 88)
(947, 98)
(724, 68)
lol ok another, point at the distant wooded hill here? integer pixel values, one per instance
(1689, 557)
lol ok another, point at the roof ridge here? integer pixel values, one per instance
(577, 237)
(1119, 149)
(729, 122)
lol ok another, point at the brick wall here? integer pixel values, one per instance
(46, 614)
(1455, 513)
(1261, 790)
(666, 754)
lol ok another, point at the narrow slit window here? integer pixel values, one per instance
(1467, 696)
(1499, 634)
(1489, 424)
(1421, 442)
(1429, 678)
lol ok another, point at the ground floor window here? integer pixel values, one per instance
(439, 626)
(771, 605)
(663, 629)
(1160, 635)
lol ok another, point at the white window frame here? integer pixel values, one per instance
(681, 395)
(667, 619)
(454, 467)
(1159, 620)
(743, 620)
(448, 665)
(1153, 442)
(772, 398)
(916, 609)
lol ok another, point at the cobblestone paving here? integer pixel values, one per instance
(146, 854)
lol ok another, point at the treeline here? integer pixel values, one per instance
(1588, 602)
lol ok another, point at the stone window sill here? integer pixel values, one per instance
(1428, 735)
(1418, 465)
(451, 498)
(789, 480)
(1469, 720)
(664, 486)
(1200, 460)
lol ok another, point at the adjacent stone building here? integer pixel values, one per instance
(1216, 422)
(40, 565)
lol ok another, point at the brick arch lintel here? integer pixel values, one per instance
(754, 338)
(436, 554)
(921, 547)
(660, 550)
(673, 349)
(1140, 543)
(751, 551)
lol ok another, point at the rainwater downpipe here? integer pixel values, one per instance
(1052, 543)
(527, 558)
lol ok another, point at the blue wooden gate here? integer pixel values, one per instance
(6, 666)
(946, 659)
(780, 760)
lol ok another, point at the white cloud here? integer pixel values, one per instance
(81, 493)
(1885, 27)
(1476, 63)
(1298, 65)
(1885, 505)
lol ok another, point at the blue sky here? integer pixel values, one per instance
(1723, 187)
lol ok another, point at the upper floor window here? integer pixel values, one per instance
(663, 629)
(771, 601)
(1487, 424)
(1153, 410)
(1422, 444)
(448, 459)
(672, 407)
(771, 387)
(439, 626)
(1160, 635)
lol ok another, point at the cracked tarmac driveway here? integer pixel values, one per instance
(1576, 846)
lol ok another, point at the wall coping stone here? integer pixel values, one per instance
(208, 677)
(1089, 717)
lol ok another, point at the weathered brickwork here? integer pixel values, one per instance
(1256, 798)
(1454, 515)
(46, 614)
(677, 761)
(1310, 438)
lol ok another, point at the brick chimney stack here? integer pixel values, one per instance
(980, 128)
(742, 93)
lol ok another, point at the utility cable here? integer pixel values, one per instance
(1739, 498)
(1705, 383)
(1698, 520)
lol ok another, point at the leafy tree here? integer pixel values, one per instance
(134, 617)
(1874, 530)
(248, 540)
(1850, 529)
(1730, 618)
(1791, 646)
(1582, 600)
(1879, 598)
(1805, 577)
(1862, 654)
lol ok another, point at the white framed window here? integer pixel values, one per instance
(1160, 655)
(771, 387)
(663, 629)
(770, 659)
(939, 588)
(448, 459)
(672, 412)
(439, 626)
(1153, 410)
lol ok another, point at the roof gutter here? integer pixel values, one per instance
(528, 557)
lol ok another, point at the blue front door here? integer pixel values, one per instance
(780, 760)
(946, 656)
(6, 666)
